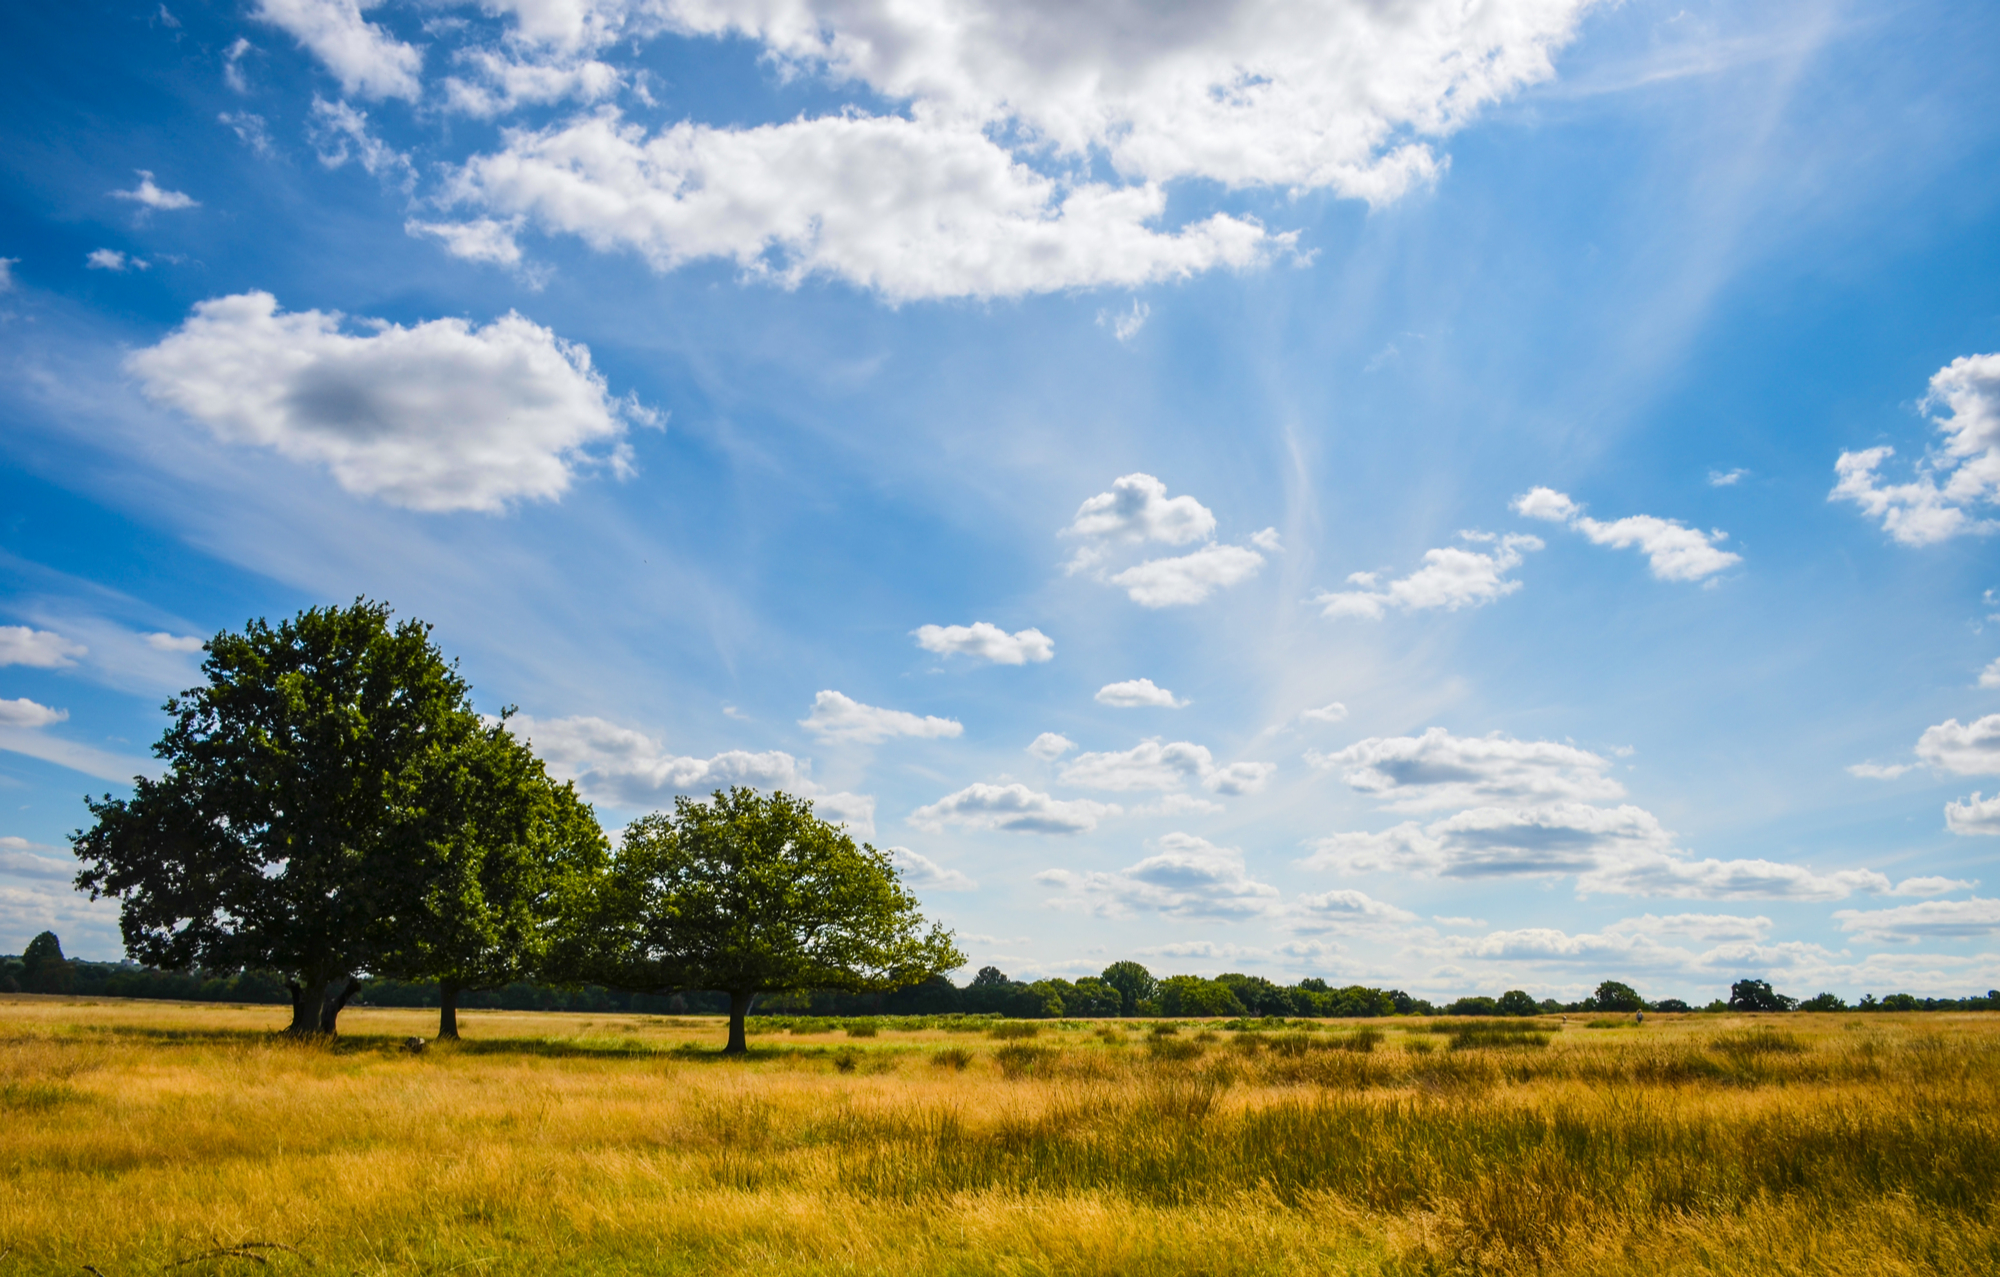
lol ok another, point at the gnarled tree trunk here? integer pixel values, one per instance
(329, 1013)
(739, 1007)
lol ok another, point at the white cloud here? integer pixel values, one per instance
(105, 259)
(1331, 712)
(1050, 746)
(1335, 95)
(480, 240)
(1125, 325)
(149, 195)
(88, 760)
(161, 641)
(1990, 677)
(1726, 478)
(855, 811)
(1190, 578)
(906, 208)
(1928, 921)
(42, 649)
(23, 713)
(1343, 909)
(1188, 877)
(1452, 577)
(1931, 885)
(362, 56)
(35, 860)
(1674, 552)
(1951, 482)
(502, 82)
(1708, 928)
(1137, 509)
(87, 927)
(1975, 815)
(1970, 749)
(1267, 539)
(249, 129)
(1439, 770)
(626, 768)
(1134, 693)
(7, 265)
(340, 133)
(232, 73)
(441, 415)
(1153, 765)
(985, 640)
(1879, 771)
(1014, 807)
(919, 871)
(838, 717)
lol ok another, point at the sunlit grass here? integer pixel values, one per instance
(151, 1137)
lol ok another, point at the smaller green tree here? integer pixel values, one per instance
(1518, 1003)
(1749, 995)
(44, 970)
(748, 894)
(1135, 985)
(1617, 996)
(1824, 1003)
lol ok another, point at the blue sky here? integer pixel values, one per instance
(1390, 493)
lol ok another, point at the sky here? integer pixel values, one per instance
(1442, 495)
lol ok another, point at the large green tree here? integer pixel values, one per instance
(506, 864)
(290, 830)
(748, 894)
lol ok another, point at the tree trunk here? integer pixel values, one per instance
(329, 1014)
(447, 1010)
(739, 1007)
(305, 1010)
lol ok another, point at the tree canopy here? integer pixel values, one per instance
(293, 827)
(748, 894)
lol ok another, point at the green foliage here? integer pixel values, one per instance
(1135, 985)
(1824, 1003)
(1671, 1005)
(1900, 1003)
(1475, 1005)
(305, 792)
(1617, 996)
(1518, 1003)
(1195, 996)
(44, 970)
(1757, 996)
(747, 893)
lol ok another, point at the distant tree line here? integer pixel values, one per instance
(44, 970)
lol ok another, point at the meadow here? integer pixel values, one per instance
(148, 1137)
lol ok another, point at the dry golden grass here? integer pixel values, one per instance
(170, 1138)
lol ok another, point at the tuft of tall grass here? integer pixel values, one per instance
(1015, 1029)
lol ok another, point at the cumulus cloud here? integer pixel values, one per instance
(1953, 482)
(1050, 746)
(1709, 928)
(23, 713)
(1137, 509)
(1927, 921)
(1452, 577)
(42, 649)
(838, 717)
(1344, 909)
(1188, 877)
(1674, 552)
(1154, 765)
(988, 642)
(1976, 815)
(498, 82)
(1331, 712)
(975, 179)
(479, 240)
(149, 195)
(1969, 749)
(1930, 885)
(1990, 677)
(1440, 770)
(626, 768)
(919, 871)
(161, 641)
(368, 61)
(1188, 579)
(1133, 693)
(340, 133)
(441, 415)
(1013, 807)
(28, 860)
(105, 259)
(1531, 808)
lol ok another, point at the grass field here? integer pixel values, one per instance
(171, 1138)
